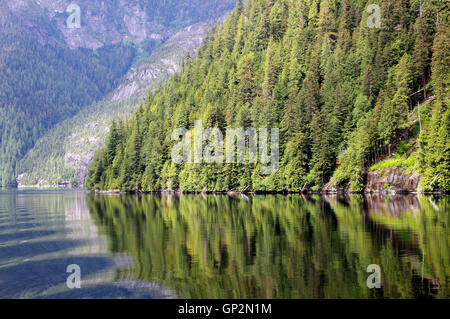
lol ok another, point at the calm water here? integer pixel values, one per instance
(197, 246)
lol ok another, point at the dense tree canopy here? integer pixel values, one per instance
(343, 94)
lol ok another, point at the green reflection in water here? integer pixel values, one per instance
(274, 246)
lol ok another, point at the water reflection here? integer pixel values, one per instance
(414, 232)
(41, 233)
(274, 246)
(193, 246)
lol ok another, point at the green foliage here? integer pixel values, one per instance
(338, 90)
(434, 138)
(403, 146)
(402, 161)
(389, 121)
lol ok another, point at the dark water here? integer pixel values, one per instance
(197, 246)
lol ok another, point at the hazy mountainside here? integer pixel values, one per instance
(44, 82)
(49, 71)
(137, 20)
(344, 91)
(65, 153)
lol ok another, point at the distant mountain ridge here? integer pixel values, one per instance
(63, 155)
(105, 22)
(50, 72)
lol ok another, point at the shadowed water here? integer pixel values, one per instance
(194, 246)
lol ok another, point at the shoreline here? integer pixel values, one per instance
(342, 192)
(234, 193)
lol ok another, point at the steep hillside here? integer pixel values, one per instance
(43, 81)
(340, 88)
(65, 153)
(50, 71)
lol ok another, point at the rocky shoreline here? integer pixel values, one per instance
(382, 182)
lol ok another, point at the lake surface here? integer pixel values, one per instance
(194, 246)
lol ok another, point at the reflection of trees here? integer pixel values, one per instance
(266, 246)
(411, 236)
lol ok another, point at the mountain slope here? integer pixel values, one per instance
(340, 91)
(49, 71)
(43, 81)
(66, 151)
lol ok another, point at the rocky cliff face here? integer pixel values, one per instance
(103, 22)
(385, 182)
(392, 181)
(164, 61)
